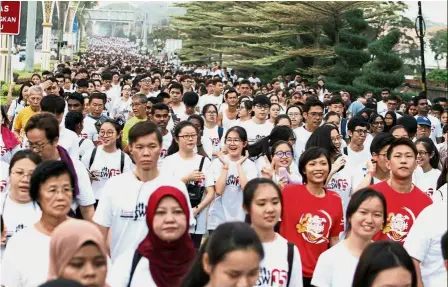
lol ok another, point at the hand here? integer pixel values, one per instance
(195, 175)
(11, 86)
(282, 182)
(195, 211)
(225, 163)
(268, 170)
(243, 159)
(224, 150)
(340, 162)
(371, 167)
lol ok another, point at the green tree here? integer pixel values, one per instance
(439, 45)
(386, 70)
(351, 52)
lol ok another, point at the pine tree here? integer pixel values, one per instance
(386, 70)
(351, 52)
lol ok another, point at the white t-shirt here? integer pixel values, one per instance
(229, 206)
(89, 131)
(427, 182)
(381, 107)
(342, 183)
(123, 209)
(183, 168)
(256, 132)
(4, 172)
(17, 216)
(121, 107)
(210, 99)
(274, 267)
(180, 112)
(86, 196)
(14, 109)
(112, 96)
(302, 134)
(84, 146)
(26, 259)
(166, 143)
(335, 267)
(436, 128)
(105, 165)
(423, 244)
(213, 135)
(121, 271)
(69, 141)
(357, 159)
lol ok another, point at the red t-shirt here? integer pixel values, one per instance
(309, 222)
(402, 210)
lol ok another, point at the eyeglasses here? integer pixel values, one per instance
(188, 137)
(287, 154)
(262, 107)
(234, 141)
(336, 138)
(361, 132)
(22, 174)
(107, 133)
(422, 153)
(37, 147)
(316, 115)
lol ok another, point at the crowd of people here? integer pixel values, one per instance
(120, 170)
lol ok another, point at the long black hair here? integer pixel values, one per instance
(321, 137)
(263, 146)
(228, 237)
(431, 149)
(117, 128)
(380, 256)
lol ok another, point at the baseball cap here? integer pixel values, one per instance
(424, 121)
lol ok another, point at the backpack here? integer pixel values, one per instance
(290, 260)
(81, 141)
(92, 158)
(345, 151)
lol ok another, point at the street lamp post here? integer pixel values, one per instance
(421, 30)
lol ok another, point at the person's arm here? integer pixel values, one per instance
(220, 115)
(220, 184)
(241, 173)
(210, 195)
(335, 168)
(87, 212)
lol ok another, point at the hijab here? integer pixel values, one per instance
(169, 262)
(355, 108)
(67, 239)
(394, 121)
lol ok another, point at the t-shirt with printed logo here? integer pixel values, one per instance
(402, 210)
(309, 222)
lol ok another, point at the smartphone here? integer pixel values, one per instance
(283, 173)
